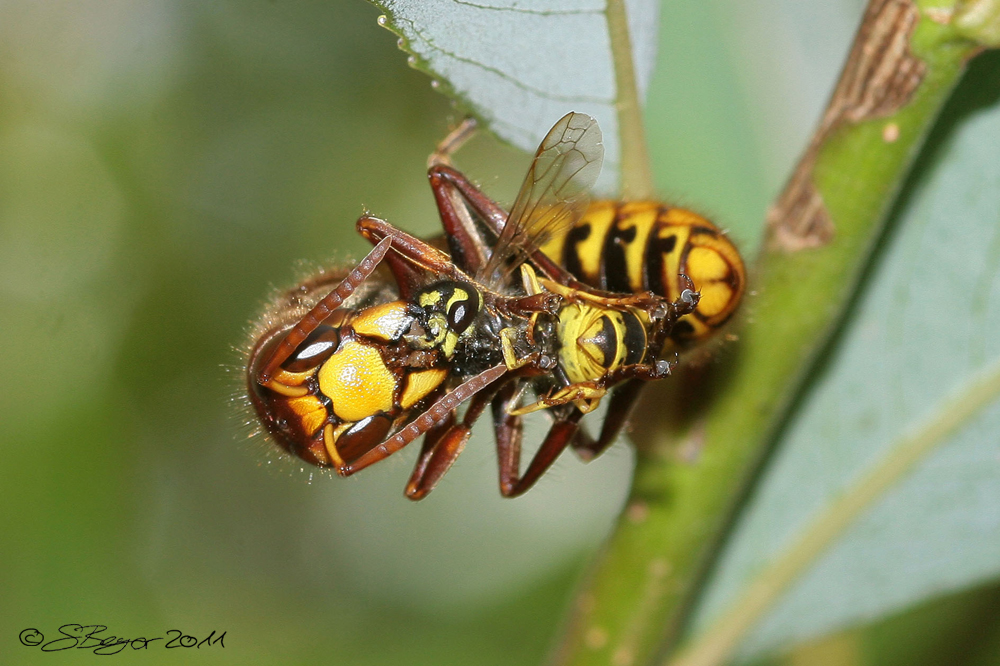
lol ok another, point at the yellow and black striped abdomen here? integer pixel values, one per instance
(635, 246)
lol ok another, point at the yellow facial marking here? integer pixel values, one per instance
(310, 411)
(450, 342)
(588, 342)
(429, 298)
(420, 384)
(437, 328)
(458, 295)
(386, 322)
(357, 381)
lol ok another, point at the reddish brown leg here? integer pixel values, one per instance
(465, 242)
(623, 400)
(411, 258)
(322, 310)
(442, 448)
(451, 143)
(647, 372)
(431, 440)
(444, 180)
(508, 435)
(508, 430)
(426, 421)
(557, 439)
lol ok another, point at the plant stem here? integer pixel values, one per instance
(902, 67)
(637, 178)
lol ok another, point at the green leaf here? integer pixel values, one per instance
(519, 66)
(905, 480)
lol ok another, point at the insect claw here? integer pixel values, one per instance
(689, 299)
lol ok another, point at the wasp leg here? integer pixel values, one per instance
(322, 310)
(508, 434)
(647, 372)
(586, 396)
(411, 258)
(623, 399)
(447, 180)
(451, 143)
(431, 440)
(435, 414)
(465, 241)
(442, 447)
(507, 429)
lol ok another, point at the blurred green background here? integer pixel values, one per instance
(163, 166)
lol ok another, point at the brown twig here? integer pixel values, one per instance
(879, 77)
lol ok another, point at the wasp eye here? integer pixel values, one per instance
(463, 311)
(460, 316)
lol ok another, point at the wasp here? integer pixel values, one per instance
(613, 248)
(351, 366)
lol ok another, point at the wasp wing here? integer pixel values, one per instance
(553, 196)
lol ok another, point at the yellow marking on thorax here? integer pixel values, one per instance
(420, 384)
(640, 215)
(358, 382)
(385, 322)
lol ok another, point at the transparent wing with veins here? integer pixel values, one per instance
(554, 195)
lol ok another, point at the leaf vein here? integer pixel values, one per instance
(535, 12)
(505, 76)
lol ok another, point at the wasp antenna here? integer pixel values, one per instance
(322, 310)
